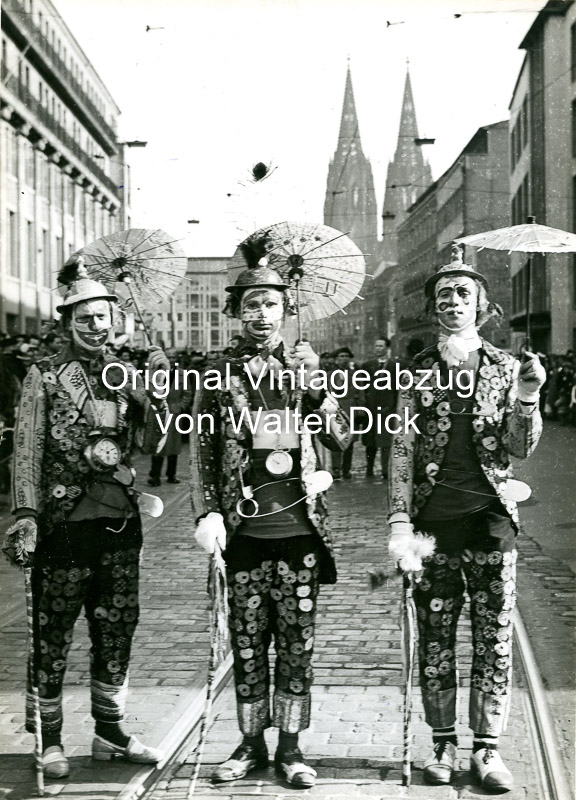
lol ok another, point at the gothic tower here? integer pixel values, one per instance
(407, 177)
(350, 204)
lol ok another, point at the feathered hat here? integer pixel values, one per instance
(77, 286)
(455, 267)
(255, 251)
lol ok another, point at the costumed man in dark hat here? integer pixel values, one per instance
(454, 482)
(256, 492)
(78, 521)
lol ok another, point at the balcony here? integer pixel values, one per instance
(42, 114)
(54, 70)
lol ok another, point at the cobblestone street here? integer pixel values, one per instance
(355, 741)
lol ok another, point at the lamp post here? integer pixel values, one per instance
(124, 183)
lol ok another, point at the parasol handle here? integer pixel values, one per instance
(528, 345)
(126, 280)
(295, 275)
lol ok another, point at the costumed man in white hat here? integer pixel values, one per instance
(454, 481)
(78, 521)
(254, 491)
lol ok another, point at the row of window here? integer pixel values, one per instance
(520, 134)
(55, 108)
(58, 46)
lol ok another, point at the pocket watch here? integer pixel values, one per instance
(279, 463)
(103, 453)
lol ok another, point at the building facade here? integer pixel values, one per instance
(61, 181)
(193, 318)
(471, 196)
(543, 176)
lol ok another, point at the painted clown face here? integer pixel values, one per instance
(91, 324)
(261, 313)
(456, 300)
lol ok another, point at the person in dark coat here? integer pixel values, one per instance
(380, 403)
(342, 461)
(179, 401)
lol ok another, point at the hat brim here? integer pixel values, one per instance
(79, 298)
(280, 287)
(433, 279)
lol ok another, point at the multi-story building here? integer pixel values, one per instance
(61, 182)
(543, 175)
(192, 319)
(471, 196)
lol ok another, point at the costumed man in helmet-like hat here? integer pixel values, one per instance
(454, 482)
(78, 521)
(255, 493)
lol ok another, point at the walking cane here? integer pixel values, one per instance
(408, 650)
(218, 593)
(33, 681)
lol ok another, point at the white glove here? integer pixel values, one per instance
(157, 359)
(210, 532)
(531, 376)
(20, 542)
(401, 537)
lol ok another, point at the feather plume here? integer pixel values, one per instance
(254, 248)
(72, 270)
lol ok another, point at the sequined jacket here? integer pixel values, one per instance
(216, 460)
(501, 430)
(50, 473)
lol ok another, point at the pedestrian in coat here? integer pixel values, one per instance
(453, 481)
(342, 460)
(253, 491)
(74, 502)
(379, 402)
(179, 400)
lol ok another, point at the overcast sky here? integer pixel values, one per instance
(215, 86)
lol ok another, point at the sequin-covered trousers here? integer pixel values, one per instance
(476, 553)
(81, 564)
(273, 587)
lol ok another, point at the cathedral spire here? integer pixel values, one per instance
(350, 203)
(408, 175)
(349, 129)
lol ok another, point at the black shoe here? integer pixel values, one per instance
(347, 476)
(369, 473)
(154, 481)
(291, 765)
(243, 760)
(173, 480)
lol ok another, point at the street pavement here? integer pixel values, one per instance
(355, 741)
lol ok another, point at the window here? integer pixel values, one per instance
(12, 325)
(30, 258)
(194, 319)
(180, 335)
(45, 258)
(214, 319)
(179, 316)
(43, 175)
(12, 243)
(28, 163)
(12, 152)
(214, 338)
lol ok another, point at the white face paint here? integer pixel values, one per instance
(91, 323)
(456, 300)
(261, 313)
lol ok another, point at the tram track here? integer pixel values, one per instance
(182, 740)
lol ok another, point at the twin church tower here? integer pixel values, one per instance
(350, 204)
